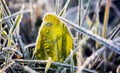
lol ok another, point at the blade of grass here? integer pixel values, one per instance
(9, 42)
(79, 11)
(80, 51)
(106, 18)
(18, 40)
(28, 69)
(57, 6)
(1, 21)
(48, 64)
(107, 43)
(89, 21)
(17, 22)
(42, 68)
(64, 8)
(53, 63)
(84, 16)
(78, 36)
(85, 13)
(98, 6)
(113, 35)
(0, 12)
(105, 28)
(2, 29)
(14, 15)
(72, 63)
(6, 10)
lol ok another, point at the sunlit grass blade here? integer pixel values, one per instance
(9, 42)
(17, 22)
(89, 21)
(106, 16)
(48, 64)
(97, 29)
(64, 8)
(5, 8)
(1, 12)
(0, 21)
(4, 34)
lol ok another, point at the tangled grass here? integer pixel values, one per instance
(15, 56)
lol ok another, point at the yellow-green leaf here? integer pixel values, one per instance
(54, 39)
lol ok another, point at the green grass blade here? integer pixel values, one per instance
(17, 22)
